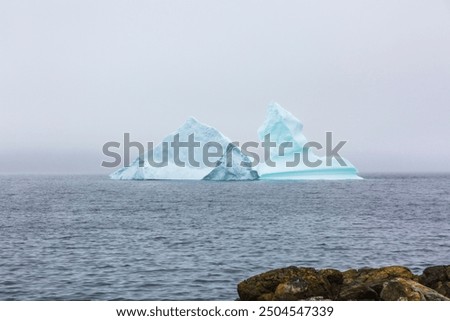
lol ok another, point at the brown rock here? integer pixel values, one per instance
(305, 285)
(333, 276)
(290, 283)
(373, 276)
(399, 289)
(358, 292)
(266, 297)
(386, 283)
(366, 284)
(317, 298)
(256, 286)
(437, 278)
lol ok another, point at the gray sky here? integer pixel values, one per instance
(76, 74)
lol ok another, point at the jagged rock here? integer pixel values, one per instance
(437, 278)
(400, 289)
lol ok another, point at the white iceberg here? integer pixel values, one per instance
(195, 167)
(284, 128)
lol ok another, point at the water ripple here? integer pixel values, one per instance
(90, 238)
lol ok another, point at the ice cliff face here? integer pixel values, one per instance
(284, 127)
(203, 134)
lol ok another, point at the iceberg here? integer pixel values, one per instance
(283, 127)
(289, 157)
(194, 167)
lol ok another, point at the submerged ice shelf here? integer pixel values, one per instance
(230, 163)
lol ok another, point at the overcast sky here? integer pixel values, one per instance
(76, 74)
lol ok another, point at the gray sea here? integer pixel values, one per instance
(91, 238)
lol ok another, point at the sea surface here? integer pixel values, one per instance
(91, 238)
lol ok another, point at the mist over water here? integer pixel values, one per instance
(91, 238)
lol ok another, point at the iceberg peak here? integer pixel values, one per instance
(201, 131)
(192, 122)
(282, 127)
(275, 108)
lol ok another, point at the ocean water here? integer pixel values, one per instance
(91, 238)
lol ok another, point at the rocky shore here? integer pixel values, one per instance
(392, 283)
